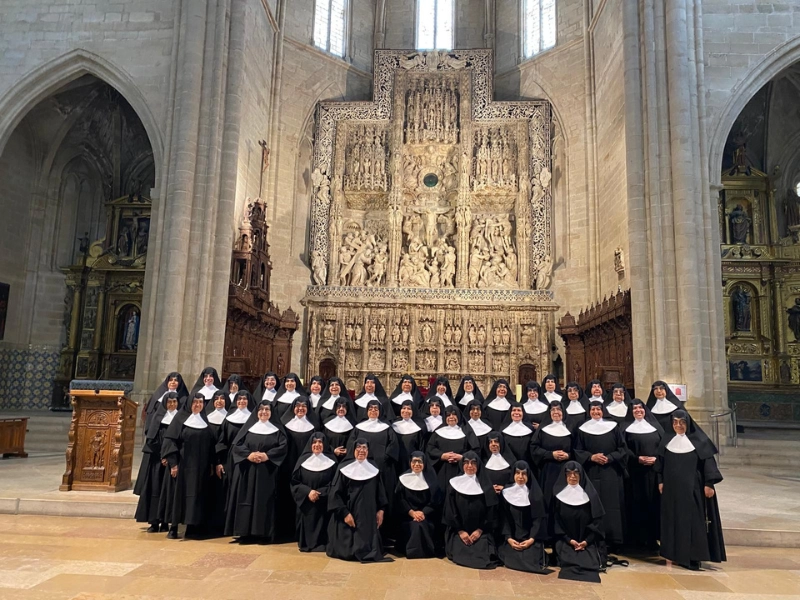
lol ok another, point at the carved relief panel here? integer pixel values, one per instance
(433, 190)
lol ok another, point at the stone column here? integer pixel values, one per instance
(674, 238)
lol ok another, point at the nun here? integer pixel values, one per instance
(339, 426)
(290, 389)
(267, 387)
(535, 409)
(357, 503)
(258, 452)
(497, 404)
(619, 407)
(474, 414)
(662, 402)
(188, 448)
(440, 389)
(406, 390)
(237, 416)
(316, 386)
(330, 397)
(410, 431)
(448, 444)
(372, 390)
(577, 406)
(517, 433)
(594, 391)
(468, 391)
(642, 438)
(691, 530)
(233, 386)
(153, 467)
(384, 449)
(311, 481)
(207, 383)
(551, 447)
(578, 515)
(216, 412)
(418, 505)
(172, 383)
(552, 393)
(299, 423)
(497, 460)
(600, 448)
(522, 516)
(470, 516)
(435, 418)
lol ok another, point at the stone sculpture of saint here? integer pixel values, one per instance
(131, 338)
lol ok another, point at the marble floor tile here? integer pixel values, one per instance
(213, 560)
(22, 579)
(82, 583)
(701, 583)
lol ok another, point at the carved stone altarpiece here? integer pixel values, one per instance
(431, 226)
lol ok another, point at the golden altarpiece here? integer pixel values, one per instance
(104, 299)
(430, 243)
(761, 288)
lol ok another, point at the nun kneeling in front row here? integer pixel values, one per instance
(522, 521)
(357, 503)
(418, 506)
(470, 516)
(578, 515)
(311, 483)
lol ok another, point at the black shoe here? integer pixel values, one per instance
(694, 565)
(153, 528)
(163, 528)
(172, 534)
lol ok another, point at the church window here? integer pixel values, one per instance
(329, 26)
(538, 26)
(435, 27)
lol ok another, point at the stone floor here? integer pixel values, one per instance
(52, 558)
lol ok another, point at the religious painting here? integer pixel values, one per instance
(745, 370)
(128, 329)
(4, 291)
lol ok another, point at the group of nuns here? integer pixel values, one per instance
(484, 481)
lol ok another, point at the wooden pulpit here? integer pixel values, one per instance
(101, 437)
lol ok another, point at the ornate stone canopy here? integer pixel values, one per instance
(430, 245)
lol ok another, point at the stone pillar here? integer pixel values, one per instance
(674, 237)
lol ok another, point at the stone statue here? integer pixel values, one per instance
(495, 336)
(404, 334)
(740, 299)
(327, 332)
(544, 273)
(457, 334)
(358, 333)
(319, 269)
(373, 334)
(124, 241)
(739, 224)
(348, 332)
(131, 338)
(448, 334)
(395, 333)
(794, 319)
(142, 236)
(481, 335)
(506, 335)
(382, 332)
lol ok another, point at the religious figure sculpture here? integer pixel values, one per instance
(740, 225)
(740, 299)
(794, 319)
(319, 268)
(130, 340)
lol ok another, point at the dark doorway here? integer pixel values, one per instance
(327, 369)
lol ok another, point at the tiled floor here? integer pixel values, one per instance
(53, 558)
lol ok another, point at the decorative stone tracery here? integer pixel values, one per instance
(431, 194)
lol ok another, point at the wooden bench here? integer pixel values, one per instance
(12, 436)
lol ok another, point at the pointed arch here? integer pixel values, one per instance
(51, 76)
(773, 63)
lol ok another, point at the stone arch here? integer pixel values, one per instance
(775, 62)
(49, 77)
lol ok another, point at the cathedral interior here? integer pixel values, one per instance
(594, 189)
